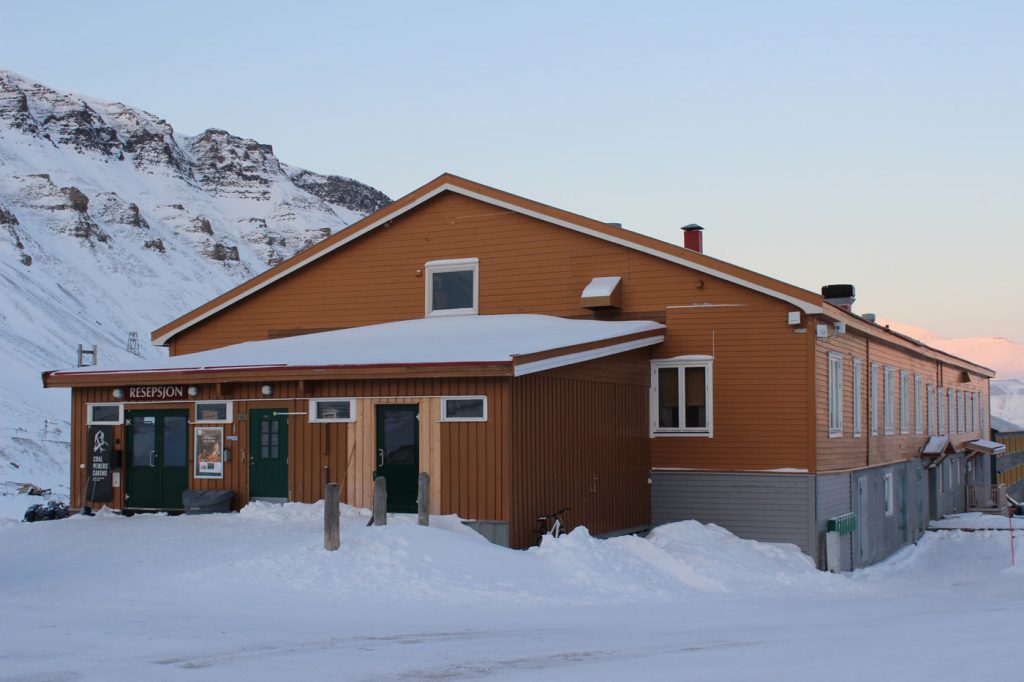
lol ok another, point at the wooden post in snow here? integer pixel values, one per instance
(332, 517)
(380, 501)
(423, 499)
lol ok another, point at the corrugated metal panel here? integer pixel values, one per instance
(833, 498)
(766, 507)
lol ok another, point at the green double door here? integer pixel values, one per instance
(398, 454)
(157, 466)
(268, 455)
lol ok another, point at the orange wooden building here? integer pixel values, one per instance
(531, 359)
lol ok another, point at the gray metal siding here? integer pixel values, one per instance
(766, 507)
(495, 531)
(879, 534)
(833, 498)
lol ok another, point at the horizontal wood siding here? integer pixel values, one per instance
(526, 266)
(760, 387)
(579, 440)
(849, 452)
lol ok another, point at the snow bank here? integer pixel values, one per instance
(978, 521)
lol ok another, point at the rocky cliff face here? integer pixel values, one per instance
(112, 222)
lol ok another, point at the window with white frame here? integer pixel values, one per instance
(889, 494)
(105, 414)
(961, 413)
(464, 408)
(889, 402)
(681, 396)
(453, 287)
(970, 411)
(904, 402)
(875, 398)
(857, 407)
(918, 405)
(982, 414)
(213, 412)
(977, 410)
(931, 410)
(942, 411)
(332, 410)
(835, 395)
(951, 395)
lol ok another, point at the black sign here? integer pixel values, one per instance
(99, 487)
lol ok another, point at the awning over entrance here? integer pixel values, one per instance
(482, 344)
(985, 447)
(937, 446)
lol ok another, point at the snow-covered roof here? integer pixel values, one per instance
(936, 445)
(986, 447)
(466, 339)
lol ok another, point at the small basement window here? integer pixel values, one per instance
(471, 408)
(105, 414)
(214, 412)
(329, 410)
(681, 396)
(453, 287)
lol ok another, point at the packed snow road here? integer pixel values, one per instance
(253, 596)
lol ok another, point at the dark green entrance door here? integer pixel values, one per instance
(157, 466)
(398, 454)
(268, 455)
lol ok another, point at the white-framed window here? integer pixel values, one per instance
(464, 408)
(213, 412)
(918, 405)
(904, 401)
(453, 287)
(681, 396)
(931, 410)
(951, 395)
(105, 414)
(858, 408)
(889, 401)
(835, 395)
(961, 413)
(332, 410)
(977, 409)
(970, 412)
(942, 411)
(874, 399)
(982, 413)
(889, 496)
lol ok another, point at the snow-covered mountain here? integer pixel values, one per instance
(111, 222)
(1008, 400)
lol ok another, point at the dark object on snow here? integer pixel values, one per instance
(30, 489)
(47, 512)
(207, 501)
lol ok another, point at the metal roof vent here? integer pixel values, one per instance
(693, 238)
(840, 295)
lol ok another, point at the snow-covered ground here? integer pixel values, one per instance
(980, 521)
(254, 596)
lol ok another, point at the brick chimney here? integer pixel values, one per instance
(693, 238)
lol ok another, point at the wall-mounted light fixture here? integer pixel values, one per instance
(193, 391)
(118, 393)
(267, 390)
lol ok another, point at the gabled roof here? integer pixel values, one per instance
(807, 301)
(492, 344)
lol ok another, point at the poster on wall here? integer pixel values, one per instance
(99, 487)
(209, 452)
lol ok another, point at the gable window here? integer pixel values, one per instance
(835, 395)
(918, 409)
(857, 407)
(681, 396)
(889, 506)
(453, 287)
(890, 405)
(471, 408)
(332, 410)
(904, 402)
(213, 412)
(931, 410)
(105, 414)
(874, 399)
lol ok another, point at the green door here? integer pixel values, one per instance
(398, 454)
(268, 455)
(157, 466)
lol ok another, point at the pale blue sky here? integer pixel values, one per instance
(879, 144)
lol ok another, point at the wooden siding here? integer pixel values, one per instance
(849, 452)
(468, 461)
(759, 383)
(526, 266)
(579, 440)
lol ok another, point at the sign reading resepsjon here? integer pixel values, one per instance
(155, 393)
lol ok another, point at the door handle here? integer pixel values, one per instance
(380, 457)
(152, 458)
